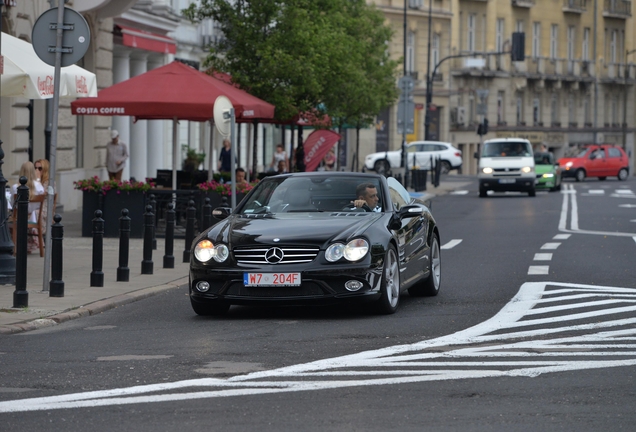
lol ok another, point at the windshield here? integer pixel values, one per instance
(543, 159)
(506, 149)
(303, 194)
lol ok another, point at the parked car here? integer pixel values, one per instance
(298, 239)
(602, 161)
(548, 172)
(418, 155)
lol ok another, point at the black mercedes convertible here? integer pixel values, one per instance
(323, 237)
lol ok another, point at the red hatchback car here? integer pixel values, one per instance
(602, 161)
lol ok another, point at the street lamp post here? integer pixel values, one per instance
(429, 77)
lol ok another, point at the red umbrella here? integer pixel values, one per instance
(172, 91)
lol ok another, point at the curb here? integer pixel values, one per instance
(93, 308)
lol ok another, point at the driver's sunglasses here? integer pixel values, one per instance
(38, 168)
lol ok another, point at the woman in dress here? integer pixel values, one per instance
(279, 155)
(35, 188)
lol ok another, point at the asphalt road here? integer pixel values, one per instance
(561, 354)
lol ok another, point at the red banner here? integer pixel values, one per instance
(317, 145)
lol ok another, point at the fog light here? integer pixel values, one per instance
(203, 286)
(353, 285)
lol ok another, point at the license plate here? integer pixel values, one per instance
(507, 180)
(271, 279)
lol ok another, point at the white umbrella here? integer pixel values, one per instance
(26, 76)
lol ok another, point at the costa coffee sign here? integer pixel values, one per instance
(100, 111)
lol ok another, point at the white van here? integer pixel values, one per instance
(506, 164)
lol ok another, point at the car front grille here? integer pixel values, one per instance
(291, 255)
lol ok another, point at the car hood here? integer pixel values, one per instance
(292, 229)
(542, 169)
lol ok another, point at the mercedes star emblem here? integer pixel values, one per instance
(274, 255)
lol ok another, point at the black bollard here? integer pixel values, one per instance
(191, 214)
(97, 275)
(56, 285)
(146, 264)
(168, 258)
(21, 295)
(123, 272)
(153, 203)
(207, 213)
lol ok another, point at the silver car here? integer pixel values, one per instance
(419, 156)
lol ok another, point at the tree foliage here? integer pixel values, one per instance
(303, 54)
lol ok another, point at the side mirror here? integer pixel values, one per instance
(410, 211)
(221, 212)
(476, 155)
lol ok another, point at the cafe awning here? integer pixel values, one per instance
(149, 41)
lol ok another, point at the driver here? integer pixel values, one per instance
(367, 197)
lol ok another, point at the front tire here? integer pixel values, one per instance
(210, 308)
(430, 286)
(382, 166)
(390, 286)
(580, 175)
(622, 174)
(483, 193)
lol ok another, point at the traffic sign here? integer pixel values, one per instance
(75, 38)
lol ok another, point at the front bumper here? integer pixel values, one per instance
(503, 184)
(317, 287)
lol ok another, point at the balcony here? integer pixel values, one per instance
(621, 9)
(574, 6)
(523, 3)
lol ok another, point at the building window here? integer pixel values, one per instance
(613, 46)
(614, 108)
(410, 52)
(499, 37)
(554, 108)
(471, 109)
(500, 107)
(536, 39)
(519, 26)
(585, 55)
(520, 120)
(536, 110)
(571, 42)
(470, 32)
(571, 110)
(587, 110)
(554, 37)
(435, 50)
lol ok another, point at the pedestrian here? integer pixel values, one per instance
(330, 160)
(42, 172)
(239, 175)
(35, 188)
(279, 155)
(225, 159)
(116, 155)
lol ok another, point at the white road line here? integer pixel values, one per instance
(561, 237)
(451, 244)
(539, 270)
(624, 192)
(550, 246)
(634, 237)
(516, 342)
(596, 192)
(542, 256)
(459, 192)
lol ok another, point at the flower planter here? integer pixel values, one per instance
(111, 205)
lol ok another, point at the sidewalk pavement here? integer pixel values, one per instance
(80, 299)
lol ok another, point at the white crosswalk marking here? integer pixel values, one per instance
(451, 244)
(550, 245)
(542, 256)
(547, 327)
(539, 270)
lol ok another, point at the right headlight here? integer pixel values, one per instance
(205, 250)
(355, 250)
(487, 170)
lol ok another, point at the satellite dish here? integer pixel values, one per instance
(222, 115)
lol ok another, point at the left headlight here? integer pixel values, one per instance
(205, 250)
(548, 175)
(526, 169)
(355, 250)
